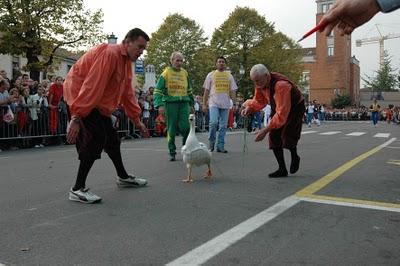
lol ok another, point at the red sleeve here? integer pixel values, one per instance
(96, 81)
(51, 90)
(258, 102)
(283, 103)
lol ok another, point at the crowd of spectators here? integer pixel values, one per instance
(33, 114)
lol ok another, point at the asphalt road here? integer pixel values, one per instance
(350, 215)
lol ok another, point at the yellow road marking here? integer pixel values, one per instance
(355, 201)
(324, 181)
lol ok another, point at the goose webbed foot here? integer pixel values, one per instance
(208, 174)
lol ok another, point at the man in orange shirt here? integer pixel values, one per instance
(100, 80)
(287, 111)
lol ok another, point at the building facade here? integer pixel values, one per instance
(329, 68)
(13, 65)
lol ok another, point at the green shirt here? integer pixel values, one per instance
(173, 86)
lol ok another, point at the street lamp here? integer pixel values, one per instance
(112, 39)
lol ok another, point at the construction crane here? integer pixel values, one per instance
(378, 39)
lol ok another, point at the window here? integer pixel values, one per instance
(15, 62)
(324, 8)
(330, 41)
(330, 50)
(306, 76)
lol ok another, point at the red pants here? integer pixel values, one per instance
(231, 118)
(53, 121)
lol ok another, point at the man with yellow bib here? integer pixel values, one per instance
(219, 88)
(374, 109)
(173, 92)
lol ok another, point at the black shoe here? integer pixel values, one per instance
(211, 146)
(278, 173)
(294, 165)
(223, 151)
(172, 157)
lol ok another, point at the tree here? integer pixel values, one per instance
(280, 54)
(385, 78)
(178, 33)
(398, 80)
(234, 39)
(341, 101)
(247, 38)
(37, 29)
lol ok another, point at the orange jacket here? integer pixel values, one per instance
(102, 79)
(283, 103)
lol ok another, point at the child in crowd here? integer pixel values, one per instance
(161, 127)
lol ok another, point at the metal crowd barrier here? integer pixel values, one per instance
(24, 128)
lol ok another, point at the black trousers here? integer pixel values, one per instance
(288, 135)
(96, 133)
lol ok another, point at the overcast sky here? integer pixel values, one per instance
(292, 17)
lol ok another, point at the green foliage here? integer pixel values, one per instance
(398, 80)
(246, 38)
(280, 54)
(178, 33)
(38, 28)
(341, 101)
(385, 78)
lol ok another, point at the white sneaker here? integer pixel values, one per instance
(131, 181)
(37, 146)
(83, 195)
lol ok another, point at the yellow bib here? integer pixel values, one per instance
(177, 82)
(221, 81)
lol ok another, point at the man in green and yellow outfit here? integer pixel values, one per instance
(173, 92)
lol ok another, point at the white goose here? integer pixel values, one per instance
(195, 152)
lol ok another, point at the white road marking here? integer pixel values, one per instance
(216, 245)
(234, 132)
(357, 134)
(382, 135)
(308, 132)
(350, 204)
(330, 133)
(393, 147)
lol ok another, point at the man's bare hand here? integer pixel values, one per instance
(261, 134)
(245, 111)
(143, 130)
(348, 15)
(72, 131)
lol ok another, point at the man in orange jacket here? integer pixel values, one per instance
(100, 80)
(287, 111)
